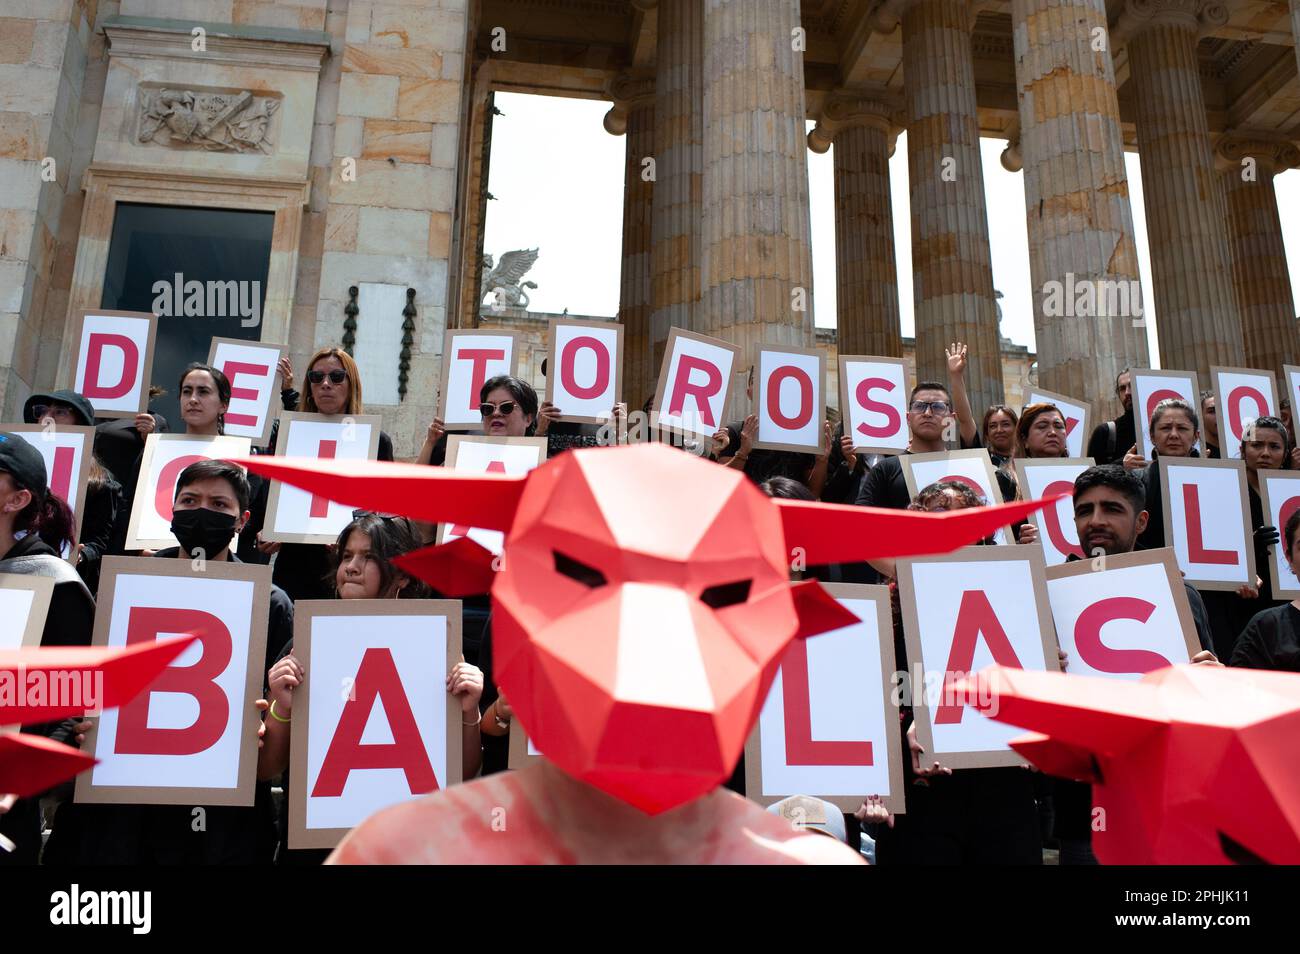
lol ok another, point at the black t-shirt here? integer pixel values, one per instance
(764, 464)
(1270, 641)
(885, 486)
(1100, 447)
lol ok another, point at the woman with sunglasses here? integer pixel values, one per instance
(362, 569)
(302, 569)
(508, 406)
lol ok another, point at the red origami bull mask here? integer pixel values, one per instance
(1191, 765)
(642, 603)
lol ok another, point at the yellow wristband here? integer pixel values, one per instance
(276, 716)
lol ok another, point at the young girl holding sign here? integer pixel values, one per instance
(363, 570)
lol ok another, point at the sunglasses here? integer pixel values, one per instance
(386, 517)
(41, 410)
(506, 408)
(337, 376)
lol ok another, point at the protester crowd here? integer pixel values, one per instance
(1004, 815)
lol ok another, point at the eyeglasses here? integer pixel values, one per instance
(937, 407)
(506, 408)
(386, 517)
(337, 376)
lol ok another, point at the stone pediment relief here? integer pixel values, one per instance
(208, 119)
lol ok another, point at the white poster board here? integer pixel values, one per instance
(873, 402)
(584, 377)
(114, 359)
(294, 515)
(1150, 387)
(1045, 477)
(1241, 395)
(970, 467)
(191, 737)
(1076, 415)
(961, 613)
(790, 399)
(470, 358)
(691, 396)
(165, 457)
(252, 368)
(68, 452)
(1207, 521)
(1279, 491)
(829, 727)
(392, 733)
(1127, 619)
(489, 455)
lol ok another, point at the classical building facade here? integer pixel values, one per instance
(320, 146)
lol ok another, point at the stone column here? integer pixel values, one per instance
(1268, 320)
(1081, 246)
(952, 274)
(633, 114)
(757, 257)
(866, 273)
(1295, 28)
(1186, 212)
(678, 171)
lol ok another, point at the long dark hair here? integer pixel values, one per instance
(389, 537)
(49, 517)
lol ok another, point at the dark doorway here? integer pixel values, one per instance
(212, 247)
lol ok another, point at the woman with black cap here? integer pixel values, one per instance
(103, 490)
(27, 513)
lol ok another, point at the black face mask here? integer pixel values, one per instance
(203, 530)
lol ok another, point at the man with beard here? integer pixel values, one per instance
(1109, 513)
(1110, 439)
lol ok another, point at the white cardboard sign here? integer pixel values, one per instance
(165, 456)
(873, 398)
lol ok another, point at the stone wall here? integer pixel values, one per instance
(43, 55)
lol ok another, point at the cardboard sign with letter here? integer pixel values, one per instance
(691, 396)
(1124, 620)
(790, 399)
(1290, 389)
(829, 727)
(970, 467)
(191, 737)
(962, 612)
(373, 723)
(1075, 413)
(1241, 395)
(584, 374)
(114, 359)
(1042, 477)
(1150, 387)
(252, 368)
(295, 516)
(873, 403)
(165, 456)
(24, 604)
(470, 358)
(1279, 491)
(489, 455)
(1207, 521)
(68, 452)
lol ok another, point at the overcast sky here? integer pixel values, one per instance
(557, 179)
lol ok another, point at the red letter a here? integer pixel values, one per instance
(975, 618)
(376, 678)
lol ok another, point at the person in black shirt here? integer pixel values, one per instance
(1109, 514)
(1271, 640)
(1110, 439)
(333, 387)
(211, 504)
(1175, 428)
(969, 816)
(27, 514)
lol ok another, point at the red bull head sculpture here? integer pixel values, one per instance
(1191, 765)
(642, 603)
